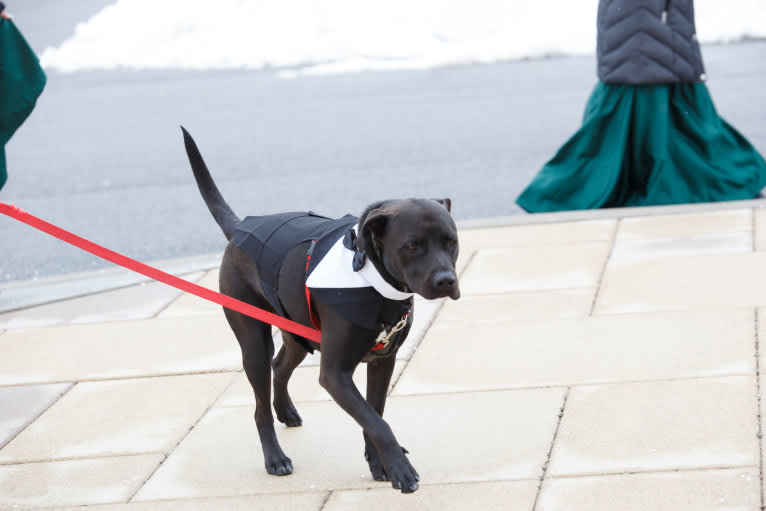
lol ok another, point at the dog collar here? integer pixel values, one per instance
(376, 280)
(335, 270)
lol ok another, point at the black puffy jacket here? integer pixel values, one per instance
(647, 42)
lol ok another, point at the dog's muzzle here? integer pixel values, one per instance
(444, 283)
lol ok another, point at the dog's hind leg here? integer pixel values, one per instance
(379, 373)
(257, 350)
(289, 357)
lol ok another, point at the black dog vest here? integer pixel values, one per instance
(357, 292)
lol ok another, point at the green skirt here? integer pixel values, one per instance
(646, 145)
(21, 82)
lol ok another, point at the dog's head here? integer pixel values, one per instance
(413, 244)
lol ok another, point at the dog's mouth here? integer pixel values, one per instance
(434, 295)
(455, 293)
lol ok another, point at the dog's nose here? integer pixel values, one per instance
(444, 281)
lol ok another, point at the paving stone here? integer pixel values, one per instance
(475, 240)
(477, 310)
(74, 482)
(690, 224)
(112, 418)
(135, 302)
(304, 386)
(705, 282)
(283, 502)
(759, 230)
(451, 438)
(21, 404)
(537, 234)
(634, 250)
(652, 426)
(425, 314)
(188, 304)
(565, 352)
(761, 397)
(500, 496)
(544, 267)
(463, 260)
(118, 350)
(707, 490)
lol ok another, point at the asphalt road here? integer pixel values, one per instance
(102, 153)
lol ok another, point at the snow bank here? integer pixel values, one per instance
(340, 36)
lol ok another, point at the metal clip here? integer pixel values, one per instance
(397, 327)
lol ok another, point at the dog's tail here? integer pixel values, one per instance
(221, 211)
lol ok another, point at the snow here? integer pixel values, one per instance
(342, 36)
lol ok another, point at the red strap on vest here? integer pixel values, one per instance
(314, 320)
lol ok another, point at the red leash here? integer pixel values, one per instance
(154, 273)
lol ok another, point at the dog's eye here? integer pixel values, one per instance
(413, 246)
(451, 241)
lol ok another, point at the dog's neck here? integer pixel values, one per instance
(374, 253)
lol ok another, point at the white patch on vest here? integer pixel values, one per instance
(335, 271)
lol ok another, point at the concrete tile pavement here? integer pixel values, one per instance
(133, 302)
(608, 360)
(19, 406)
(120, 420)
(727, 489)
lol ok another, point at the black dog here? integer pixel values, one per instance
(351, 278)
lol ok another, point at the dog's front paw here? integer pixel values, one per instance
(279, 466)
(376, 466)
(403, 476)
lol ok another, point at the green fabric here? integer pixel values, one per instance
(644, 145)
(21, 82)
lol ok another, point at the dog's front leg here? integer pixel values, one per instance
(379, 373)
(343, 346)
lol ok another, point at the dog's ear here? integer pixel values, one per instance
(375, 223)
(447, 203)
